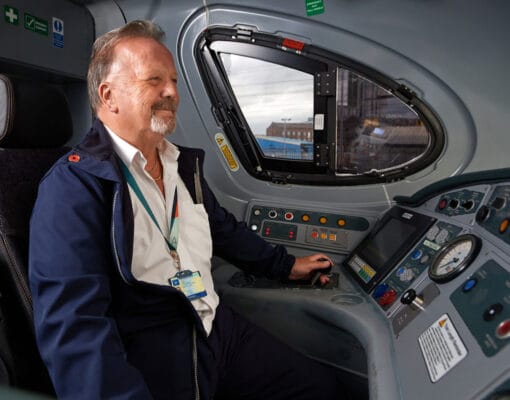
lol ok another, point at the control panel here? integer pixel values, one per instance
(494, 216)
(435, 268)
(308, 228)
(459, 202)
(419, 260)
(483, 301)
(448, 297)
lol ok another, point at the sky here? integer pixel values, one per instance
(268, 92)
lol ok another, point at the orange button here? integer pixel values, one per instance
(340, 222)
(305, 218)
(324, 235)
(503, 226)
(332, 237)
(323, 220)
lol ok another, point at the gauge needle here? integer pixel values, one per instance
(455, 260)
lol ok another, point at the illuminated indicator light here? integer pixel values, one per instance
(315, 234)
(340, 222)
(324, 236)
(323, 220)
(503, 226)
(305, 218)
(332, 237)
(74, 158)
(293, 44)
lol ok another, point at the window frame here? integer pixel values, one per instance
(323, 64)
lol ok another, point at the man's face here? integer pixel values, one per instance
(143, 80)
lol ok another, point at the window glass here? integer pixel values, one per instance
(370, 129)
(375, 129)
(277, 103)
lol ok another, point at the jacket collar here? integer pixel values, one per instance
(98, 157)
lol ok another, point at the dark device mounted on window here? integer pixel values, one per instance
(390, 240)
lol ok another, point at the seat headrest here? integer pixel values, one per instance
(33, 114)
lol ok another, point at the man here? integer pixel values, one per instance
(122, 235)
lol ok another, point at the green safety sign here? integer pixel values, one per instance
(35, 24)
(314, 7)
(11, 15)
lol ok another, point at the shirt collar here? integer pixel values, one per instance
(129, 153)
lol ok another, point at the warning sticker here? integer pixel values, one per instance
(228, 155)
(442, 347)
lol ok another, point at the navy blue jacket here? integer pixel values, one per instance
(102, 333)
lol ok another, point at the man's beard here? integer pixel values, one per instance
(162, 126)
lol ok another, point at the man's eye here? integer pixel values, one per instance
(154, 79)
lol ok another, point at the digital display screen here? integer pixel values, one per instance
(389, 241)
(386, 242)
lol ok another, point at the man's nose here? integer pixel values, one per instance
(170, 89)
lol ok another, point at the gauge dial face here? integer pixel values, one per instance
(454, 257)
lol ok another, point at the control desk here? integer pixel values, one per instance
(421, 301)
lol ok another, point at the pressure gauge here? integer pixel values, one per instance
(454, 257)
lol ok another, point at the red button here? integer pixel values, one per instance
(503, 330)
(315, 234)
(289, 216)
(388, 298)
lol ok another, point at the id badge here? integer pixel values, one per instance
(190, 283)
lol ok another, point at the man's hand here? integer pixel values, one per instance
(305, 267)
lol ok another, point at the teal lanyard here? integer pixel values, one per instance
(174, 223)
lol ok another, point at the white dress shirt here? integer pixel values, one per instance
(152, 261)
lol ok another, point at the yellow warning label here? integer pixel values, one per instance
(224, 146)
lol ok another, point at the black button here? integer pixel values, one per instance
(491, 312)
(482, 214)
(454, 203)
(498, 203)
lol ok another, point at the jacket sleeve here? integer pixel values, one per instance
(70, 261)
(235, 242)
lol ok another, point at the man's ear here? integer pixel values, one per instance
(107, 97)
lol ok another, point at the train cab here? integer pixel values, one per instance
(374, 133)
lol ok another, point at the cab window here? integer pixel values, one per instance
(297, 113)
